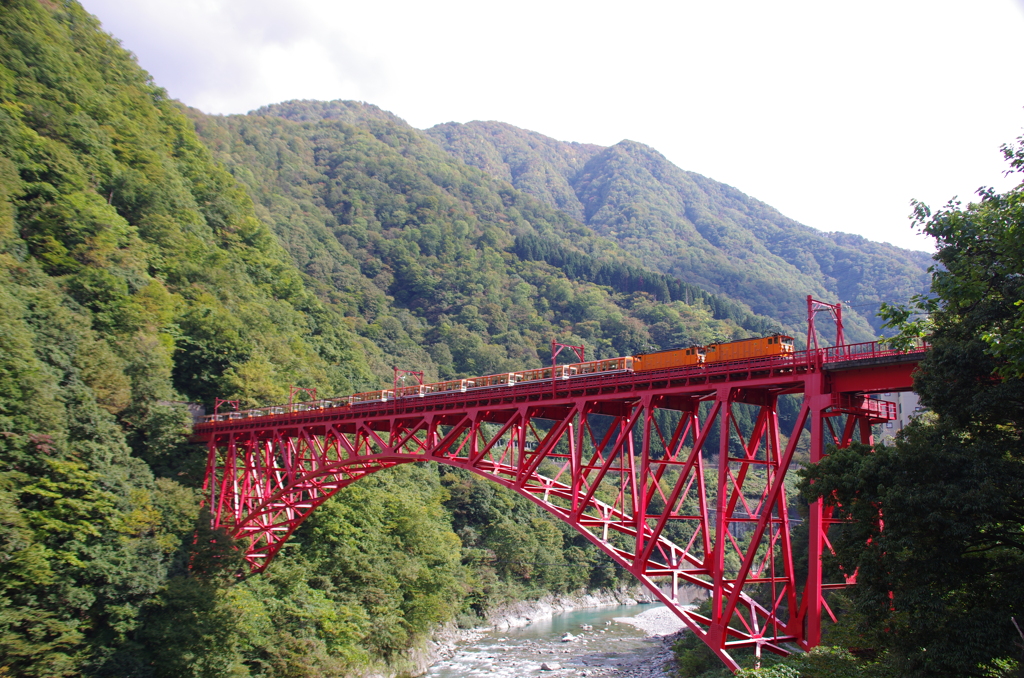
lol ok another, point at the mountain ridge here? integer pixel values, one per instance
(632, 193)
(678, 222)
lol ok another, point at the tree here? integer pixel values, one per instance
(938, 534)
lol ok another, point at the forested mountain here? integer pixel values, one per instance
(138, 275)
(444, 268)
(692, 227)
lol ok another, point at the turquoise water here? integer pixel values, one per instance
(521, 651)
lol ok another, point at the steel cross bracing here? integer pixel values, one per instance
(679, 475)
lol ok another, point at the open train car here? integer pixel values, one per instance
(372, 397)
(542, 373)
(623, 364)
(744, 349)
(416, 391)
(307, 406)
(491, 380)
(452, 385)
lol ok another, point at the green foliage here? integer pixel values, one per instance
(694, 659)
(627, 279)
(116, 230)
(912, 322)
(824, 661)
(936, 538)
(979, 280)
(776, 671)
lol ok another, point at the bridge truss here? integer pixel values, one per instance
(681, 476)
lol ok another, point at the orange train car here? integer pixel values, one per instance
(680, 357)
(760, 347)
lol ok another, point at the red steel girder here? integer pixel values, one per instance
(678, 476)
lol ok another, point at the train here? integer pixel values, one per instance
(774, 346)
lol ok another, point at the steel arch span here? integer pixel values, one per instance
(678, 475)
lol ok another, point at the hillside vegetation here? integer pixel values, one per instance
(439, 265)
(136, 275)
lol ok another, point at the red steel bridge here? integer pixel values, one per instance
(679, 475)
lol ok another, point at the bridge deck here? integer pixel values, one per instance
(850, 369)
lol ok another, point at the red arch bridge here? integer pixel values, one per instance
(679, 475)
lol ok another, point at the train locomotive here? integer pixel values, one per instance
(774, 346)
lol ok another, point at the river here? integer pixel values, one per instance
(608, 648)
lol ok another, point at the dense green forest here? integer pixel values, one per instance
(137, 275)
(153, 257)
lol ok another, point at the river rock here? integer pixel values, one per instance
(568, 638)
(550, 667)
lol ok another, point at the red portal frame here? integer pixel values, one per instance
(678, 475)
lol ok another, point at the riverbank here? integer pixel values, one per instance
(659, 621)
(654, 659)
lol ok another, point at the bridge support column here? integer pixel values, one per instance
(866, 436)
(816, 536)
(716, 632)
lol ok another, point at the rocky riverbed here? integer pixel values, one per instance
(618, 642)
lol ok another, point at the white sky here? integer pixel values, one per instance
(835, 113)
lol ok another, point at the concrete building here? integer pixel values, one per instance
(908, 406)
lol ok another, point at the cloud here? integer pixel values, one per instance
(226, 56)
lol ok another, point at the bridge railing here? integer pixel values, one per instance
(867, 349)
